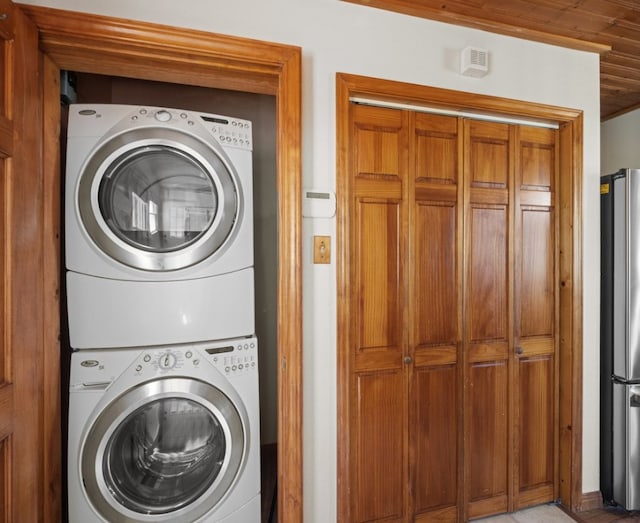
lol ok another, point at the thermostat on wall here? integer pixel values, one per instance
(318, 204)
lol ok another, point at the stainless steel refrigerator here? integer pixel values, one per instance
(620, 339)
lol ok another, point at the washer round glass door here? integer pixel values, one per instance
(158, 199)
(169, 448)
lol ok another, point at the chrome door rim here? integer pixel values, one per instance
(93, 450)
(216, 165)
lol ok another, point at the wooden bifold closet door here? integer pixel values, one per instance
(452, 368)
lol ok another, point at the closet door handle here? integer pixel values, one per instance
(519, 350)
(407, 359)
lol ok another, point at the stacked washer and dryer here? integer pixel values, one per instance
(163, 395)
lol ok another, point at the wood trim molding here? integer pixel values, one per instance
(143, 50)
(415, 8)
(571, 307)
(51, 302)
(388, 90)
(569, 204)
(24, 302)
(344, 312)
(96, 44)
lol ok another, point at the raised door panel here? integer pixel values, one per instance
(435, 432)
(436, 149)
(379, 157)
(377, 280)
(488, 300)
(379, 434)
(487, 463)
(435, 276)
(489, 161)
(537, 165)
(536, 275)
(536, 441)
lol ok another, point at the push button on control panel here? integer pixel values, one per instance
(242, 359)
(236, 133)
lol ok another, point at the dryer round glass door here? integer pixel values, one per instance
(170, 448)
(159, 199)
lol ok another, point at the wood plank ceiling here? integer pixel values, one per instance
(609, 27)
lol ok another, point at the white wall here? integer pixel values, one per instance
(342, 37)
(621, 142)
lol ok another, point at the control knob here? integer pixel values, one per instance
(163, 116)
(167, 361)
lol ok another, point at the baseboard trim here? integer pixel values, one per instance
(590, 501)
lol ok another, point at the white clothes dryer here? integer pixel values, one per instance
(165, 434)
(162, 196)
(156, 194)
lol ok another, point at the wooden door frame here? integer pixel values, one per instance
(96, 44)
(569, 207)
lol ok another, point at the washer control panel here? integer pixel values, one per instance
(96, 370)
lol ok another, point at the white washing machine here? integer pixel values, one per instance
(164, 197)
(165, 434)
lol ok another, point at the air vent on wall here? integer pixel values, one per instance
(474, 61)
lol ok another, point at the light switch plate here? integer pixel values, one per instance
(322, 249)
